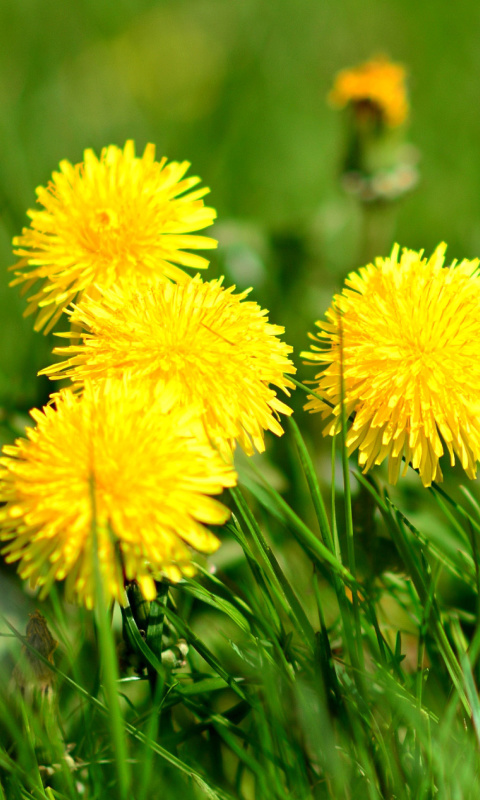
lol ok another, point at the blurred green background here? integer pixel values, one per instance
(238, 88)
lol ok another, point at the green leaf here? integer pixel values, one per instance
(139, 642)
(195, 589)
(313, 486)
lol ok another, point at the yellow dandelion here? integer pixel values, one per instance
(107, 218)
(143, 469)
(213, 348)
(378, 82)
(408, 333)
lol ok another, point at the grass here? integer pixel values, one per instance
(319, 682)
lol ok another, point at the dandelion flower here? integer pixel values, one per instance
(379, 83)
(408, 332)
(137, 470)
(212, 347)
(107, 218)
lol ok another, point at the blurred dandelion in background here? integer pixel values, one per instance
(379, 166)
(116, 216)
(405, 333)
(376, 88)
(136, 470)
(213, 348)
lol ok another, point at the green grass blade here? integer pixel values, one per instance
(310, 391)
(186, 633)
(258, 561)
(309, 541)
(293, 601)
(457, 562)
(313, 486)
(413, 566)
(435, 488)
(357, 646)
(140, 643)
(195, 589)
(110, 666)
(134, 732)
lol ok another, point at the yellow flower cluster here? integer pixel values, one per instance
(403, 338)
(108, 218)
(168, 374)
(140, 473)
(213, 349)
(379, 82)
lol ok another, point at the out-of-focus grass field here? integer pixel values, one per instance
(238, 88)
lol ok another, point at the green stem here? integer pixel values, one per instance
(411, 562)
(347, 495)
(336, 540)
(313, 486)
(109, 665)
(378, 230)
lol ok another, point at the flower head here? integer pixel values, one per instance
(113, 462)
(405, 332)
(107, 218)
(214, 349)
(379, 83)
